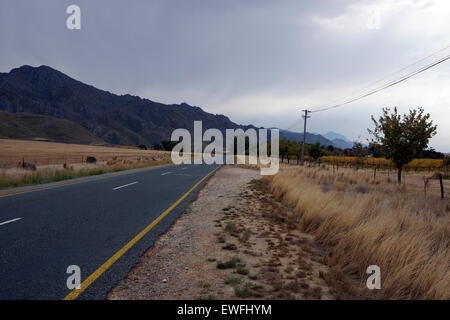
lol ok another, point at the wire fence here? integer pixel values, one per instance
(435, 179)
(11, 162)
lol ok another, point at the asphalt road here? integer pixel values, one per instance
(43, 232)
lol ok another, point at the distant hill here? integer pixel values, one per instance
(342, 144)
(39, 127)
(72, 111)
(123, 120)
(339, 140)
(311, 138)
(334, 135)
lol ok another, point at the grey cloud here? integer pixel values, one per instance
(211, 53)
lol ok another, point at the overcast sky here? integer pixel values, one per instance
(258, 62)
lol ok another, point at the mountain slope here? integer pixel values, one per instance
(33, 126)
(338, 140)
(311, 138)
(335, 136)
(116, 119)
(342, 144)
(127, 120)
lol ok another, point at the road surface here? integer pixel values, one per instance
(102, 224)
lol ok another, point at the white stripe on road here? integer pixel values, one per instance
(184, 168)
(9, 221)
(166, 173)
(126, 185)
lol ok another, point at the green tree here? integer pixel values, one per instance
(315, 151)
(358, 151)
(374, 150)
(283, 147)
(402, 138)
(295, 149)
(142, 147)
(168, 144)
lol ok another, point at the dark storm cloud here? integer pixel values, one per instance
(256, 61)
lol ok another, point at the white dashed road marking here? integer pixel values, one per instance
(9, 221)
(126, 185)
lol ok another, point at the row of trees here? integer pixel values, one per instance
(399, 138)
(166, 145)
(293, 150)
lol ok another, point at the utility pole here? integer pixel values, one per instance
(305, 117)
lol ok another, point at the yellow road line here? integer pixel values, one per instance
(97, 273)
(77, 182)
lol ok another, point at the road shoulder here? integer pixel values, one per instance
(233, 242)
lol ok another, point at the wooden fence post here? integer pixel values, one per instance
(442, 185)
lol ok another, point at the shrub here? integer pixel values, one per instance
(242, 270)
(245, 291)
(229, 246)
(91, 159)
(447, 162)
(228, 264)
(230, 227)
(28, 166)
(233, 280)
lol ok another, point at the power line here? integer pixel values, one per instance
(390, 75)
(388, 85)
(296, 123)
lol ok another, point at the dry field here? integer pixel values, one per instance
(381, 163)
(48, 161)
(420, 181)
(364, 221)
(51, 153)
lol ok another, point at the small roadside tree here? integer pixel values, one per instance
(295, 150)
(315, 151)
(358, 151)
(283, 147)
(402, 138)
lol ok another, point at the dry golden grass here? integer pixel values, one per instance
(415, 165)
(61, 161)
(371, 222)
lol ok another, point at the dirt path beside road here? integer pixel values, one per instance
(233, 242)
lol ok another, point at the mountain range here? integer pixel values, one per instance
(342, 142)
(41, 102)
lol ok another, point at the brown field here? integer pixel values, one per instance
(365, 221)
(51, 153)
(48, 161)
